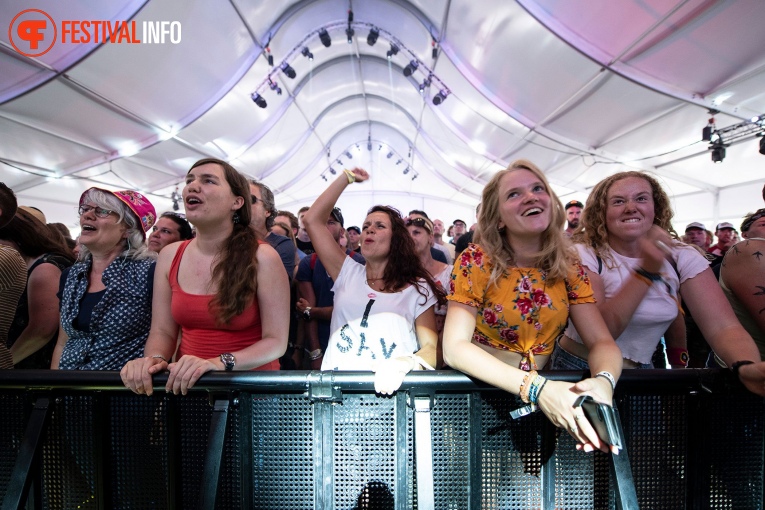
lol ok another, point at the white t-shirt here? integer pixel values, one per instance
(443, 278)
(369, 326)
(659, 306)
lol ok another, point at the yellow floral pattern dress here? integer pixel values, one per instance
(524, 312)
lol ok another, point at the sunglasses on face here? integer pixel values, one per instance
(98, 211)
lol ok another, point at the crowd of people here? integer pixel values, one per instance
(236, 284)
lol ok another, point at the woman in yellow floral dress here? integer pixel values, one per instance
(513, 292)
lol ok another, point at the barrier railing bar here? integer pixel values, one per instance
(646, 381)
(29, 456)
(214, 454)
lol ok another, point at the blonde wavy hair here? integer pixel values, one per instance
(556, 255)
(593, 230)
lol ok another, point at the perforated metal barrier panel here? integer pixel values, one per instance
(107, 448)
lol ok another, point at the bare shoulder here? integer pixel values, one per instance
(747, 253)
(267, 255)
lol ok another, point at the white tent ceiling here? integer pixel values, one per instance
(584, 88)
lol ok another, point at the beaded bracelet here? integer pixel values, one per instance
(524, 393)
(350, 175)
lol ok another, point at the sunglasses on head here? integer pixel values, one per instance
(419, 222)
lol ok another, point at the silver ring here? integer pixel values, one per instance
(578, 417)
(573, 429)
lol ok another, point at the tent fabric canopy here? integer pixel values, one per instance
(583, 88)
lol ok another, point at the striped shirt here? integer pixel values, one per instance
(13, 279)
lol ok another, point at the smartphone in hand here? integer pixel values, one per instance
(602, 418)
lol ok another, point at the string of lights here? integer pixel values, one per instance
(335, 163)
(414, 66)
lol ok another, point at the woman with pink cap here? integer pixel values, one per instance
(106, 295)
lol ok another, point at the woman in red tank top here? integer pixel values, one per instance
(212, 289)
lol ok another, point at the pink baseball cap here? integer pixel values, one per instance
(136, 202)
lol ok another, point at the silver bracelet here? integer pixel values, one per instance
(608, 376)
(160, 357)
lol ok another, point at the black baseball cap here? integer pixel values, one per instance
(574, 203)
(355, 228)
(338, 215)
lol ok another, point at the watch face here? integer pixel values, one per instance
(228, 360)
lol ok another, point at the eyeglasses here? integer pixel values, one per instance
(99, 211)
(255, 199)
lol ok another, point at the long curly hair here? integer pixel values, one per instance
(593, 230)
(556, 256)
(404, 266)
(236, 268)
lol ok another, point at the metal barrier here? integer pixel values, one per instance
(301, 440)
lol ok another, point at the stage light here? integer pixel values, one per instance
(414, 176)
(307, 53)
(287, 69)
(762, 148)
(259, 100)
(411, 67)
(424, 85)
(276, 88)
(332, 171)
(348, 155)
(369, 143)
(324, 38)
(718, 153)
(392, 51)
(324, 177)
(349, 33)
(406, 170)
(440, 97)
(399, 161)
(390, 154)
(372, 37)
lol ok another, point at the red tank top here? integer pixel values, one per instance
(201, 336)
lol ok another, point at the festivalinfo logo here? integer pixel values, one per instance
(33, 32)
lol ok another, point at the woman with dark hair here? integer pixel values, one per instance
(170, 228)
(32, 334)
(106, 295)
(639, 272)
(512, 293)
(226, 292)
(383, 317)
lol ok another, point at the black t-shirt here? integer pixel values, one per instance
(305, 246)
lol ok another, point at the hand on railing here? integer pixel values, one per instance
(557, 402)
(390, 373)
(136, 374)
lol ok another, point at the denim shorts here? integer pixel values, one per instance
(561, 359)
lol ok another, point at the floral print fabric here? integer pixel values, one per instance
(524, 312)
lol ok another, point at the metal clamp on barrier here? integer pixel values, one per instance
(321, 387)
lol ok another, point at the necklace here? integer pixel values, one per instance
(370, 282)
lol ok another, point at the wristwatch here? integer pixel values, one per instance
(228, 360)
(307, 313)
